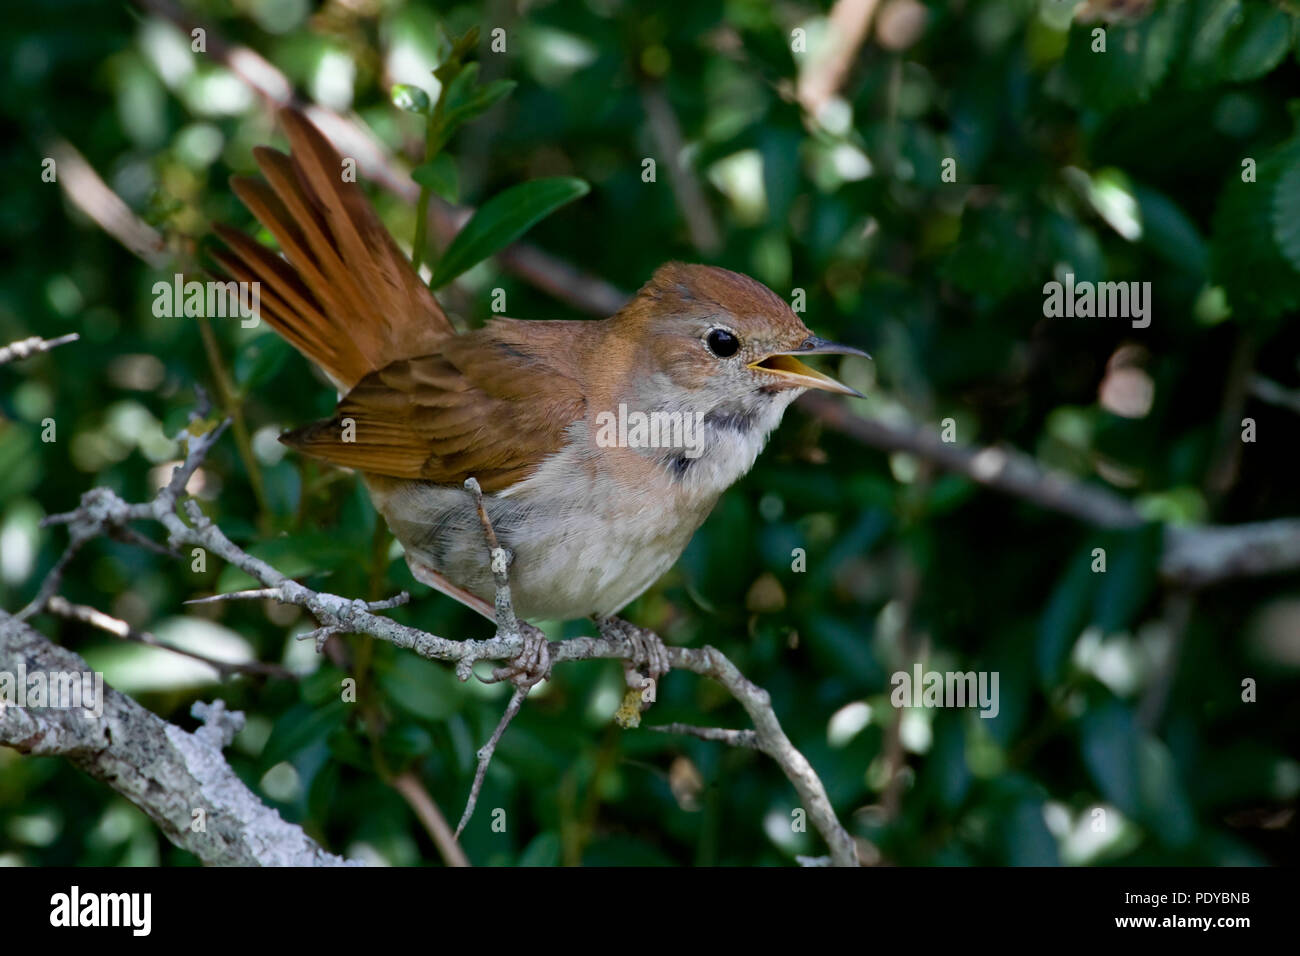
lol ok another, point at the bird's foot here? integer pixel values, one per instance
(648, 651)
(533, 662)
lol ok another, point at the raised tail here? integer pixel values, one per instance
(347, 298)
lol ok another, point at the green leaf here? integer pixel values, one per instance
(422, 688)
(1232, 42)
(488, 96)
(1286, 213)
(293, 557)
(1252, 241)
(464, 104)
(1256, 44)
(1212, 20)
(1110, 194)
(460, 86)
(1166, 808)
(1131, 574)
(410, 98)
(1025, 838)
(544, 850)
(407, 741)
(503, 219)
(1065, 617)
(993, 254)
(300, 727)
(1109, 743)
(440, 176)
(1136, 59)
(259, 360)
(461, 48)
(1170, 233)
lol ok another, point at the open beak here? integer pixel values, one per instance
(796, 374)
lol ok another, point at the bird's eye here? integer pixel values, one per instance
(722, 343)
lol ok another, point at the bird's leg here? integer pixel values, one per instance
(533, 662)
(427, 575)
(647, 648)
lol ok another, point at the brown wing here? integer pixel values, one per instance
(347, 298)
(491, 404)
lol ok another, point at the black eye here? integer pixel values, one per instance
(722, 343)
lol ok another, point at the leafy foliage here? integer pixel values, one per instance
(1128, 165)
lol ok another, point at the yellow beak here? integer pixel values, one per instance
(795, 374)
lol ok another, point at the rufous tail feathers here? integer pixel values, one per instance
(347, 297)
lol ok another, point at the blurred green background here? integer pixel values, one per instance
(1125, 165)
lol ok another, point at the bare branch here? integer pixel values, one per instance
(485, 755)
(24, 348)
(1194, 556)
(1197, 556)
(253, 594)
(85, 190)
(531, 666)
(745, 739)
(180, 779)
(821, 77)
(1003, 469)
(1267, 390)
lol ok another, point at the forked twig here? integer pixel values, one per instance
(485, 753)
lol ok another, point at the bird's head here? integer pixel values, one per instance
(725, 343)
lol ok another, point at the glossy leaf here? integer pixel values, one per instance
(503, 219)
(440, 176)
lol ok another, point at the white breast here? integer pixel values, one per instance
(584, 545)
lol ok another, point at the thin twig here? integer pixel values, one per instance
(1273, 393)
(85, 190)
(485, 755)
(821, 77)
(54, 577)
(62, 607)
(430, 816)
(253, 594)
(666, 132)
(24, 348)
(745, 739)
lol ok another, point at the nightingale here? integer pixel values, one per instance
(552, 418)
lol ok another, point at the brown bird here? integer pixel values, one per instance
(600, 446)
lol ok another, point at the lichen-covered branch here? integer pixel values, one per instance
(180, 779)
(102, 512)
